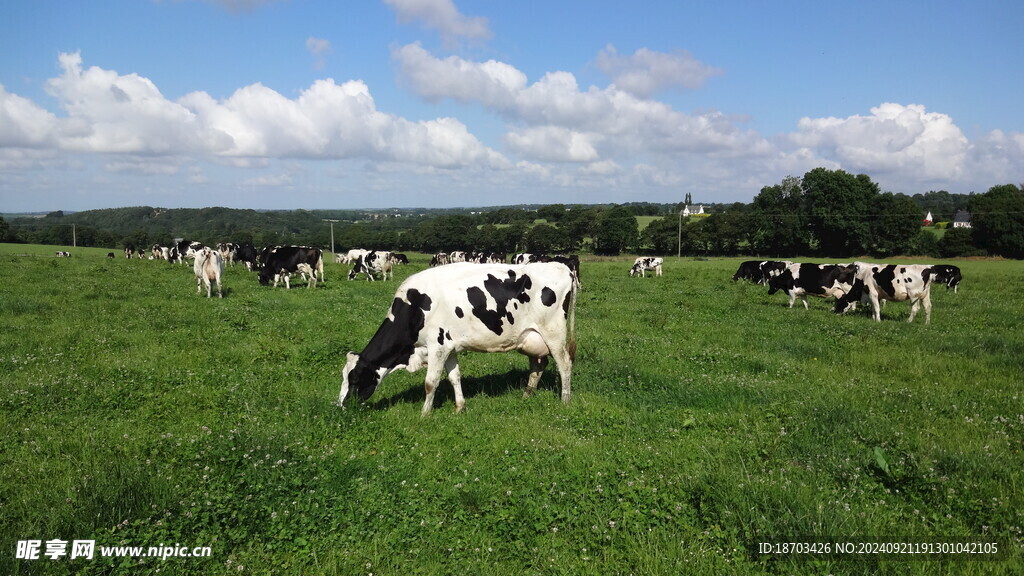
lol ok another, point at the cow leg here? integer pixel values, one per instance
(451, 366)
(434, 366)
(564, 363)
(537, 365)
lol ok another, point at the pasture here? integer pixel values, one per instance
(706, 419)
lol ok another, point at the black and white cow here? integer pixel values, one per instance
(373, 263)
(896, 282)
(644, 263)
(440, 312)
(245, 253)
(286, 259)
(110, 254)
(227, 251)
(772, 268)
(63, 254)
(749, 270)
(209, 268)
(947, 274)
(824, 280)
(525, 258)
(439, 259)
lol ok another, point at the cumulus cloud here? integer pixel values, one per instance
(893, 138)
(442, 16)
(23, 124)
(126, 114)
(625, 123)
(552, 143)
(648, 71)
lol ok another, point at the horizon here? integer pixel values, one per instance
(437, 104)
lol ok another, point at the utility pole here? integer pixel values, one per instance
(679, 242)
(332, 232)
(74, 237)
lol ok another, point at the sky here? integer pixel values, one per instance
(303, 104)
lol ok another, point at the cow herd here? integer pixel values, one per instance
(477, 302)
(865, 283)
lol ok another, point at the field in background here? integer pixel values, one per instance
(706, 418)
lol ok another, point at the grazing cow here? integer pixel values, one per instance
(302, 269)
(824, 280)
(371, 263)
(644, 263)
(110, 254)
(749, 270)
(285, 259)
(947, 274)
(440, 312)
(878, 283)
(128, 251)
(399, 258)
(209, 267)
(63, 254)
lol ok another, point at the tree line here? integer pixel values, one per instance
(828, 213)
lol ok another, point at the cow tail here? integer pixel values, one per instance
(572, 317)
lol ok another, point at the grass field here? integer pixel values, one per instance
(706, 418)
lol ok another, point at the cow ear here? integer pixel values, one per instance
(352, 357)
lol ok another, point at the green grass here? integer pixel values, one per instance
(706, 418)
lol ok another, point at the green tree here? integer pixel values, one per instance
(924, 243)
(661, 236)
(545, 239)
(778, 220)
(552, 213)
(894, 224)
(616, 230)
(956, 242)
(998, 220)
(839, 207)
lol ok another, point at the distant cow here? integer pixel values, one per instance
(285, 260)
(947, 274)
(208, 267)
(440, 312)
(824, 280)
(899, 283)
(439, 259)
(227, 251)
(644, 263)
(246, 254)
(110, 254)
(63, 254)
(373, 263)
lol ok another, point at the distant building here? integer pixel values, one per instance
(928, 219)
(962, 219)
(689, 211)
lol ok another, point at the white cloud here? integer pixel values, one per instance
(552, 143)
(319, 48)
(893, 139)
(442, 16)
(614, 120)
(648, 71)
(126, 114)
(23, 124)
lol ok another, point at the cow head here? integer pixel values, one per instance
(782, 282)
(359, 375)
(849, 301)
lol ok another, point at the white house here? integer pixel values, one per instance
(688, 212)
(962, 219)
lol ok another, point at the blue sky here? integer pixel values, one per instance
(437, 103)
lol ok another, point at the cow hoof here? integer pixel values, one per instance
(528, 392)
